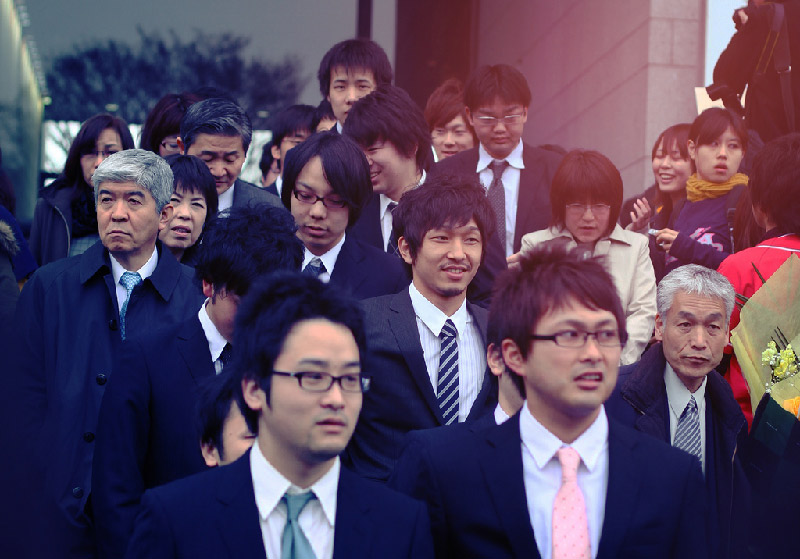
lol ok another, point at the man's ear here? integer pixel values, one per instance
(404, 250)
(469, 116)
(659, 328)
(692, 149)
(253, 394)
(166, 216)
(210, 454)
(513, 356)
(181, 145)
(494, 358)
(276, 152)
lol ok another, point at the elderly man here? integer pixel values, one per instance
(218, 131)
(674, 394)
(72, 318)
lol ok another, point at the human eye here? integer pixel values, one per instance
(607, 336)
(313, 379)
(199, 205)
(134, 201)
(304, 196)
(569, 336)
(334, 201)
(174, 200)
(351, 382)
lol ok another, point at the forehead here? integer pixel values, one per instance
(352, 74)
(108, 136)
(696, 304)
(124, 189)
(216, 143)
(574, 313)
(318, 341)
(469, 226)
(499, 106)
(312, 176)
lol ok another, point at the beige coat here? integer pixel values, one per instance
(628, 261)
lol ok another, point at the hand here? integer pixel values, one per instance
(665, 238)
(640, 215)
(513, 260)
(741, 15)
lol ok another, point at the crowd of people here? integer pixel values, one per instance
(418, 336)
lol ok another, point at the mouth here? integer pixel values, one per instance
(314, 230)
(721, 168)
(118, 232)
(456, 272)
(696, 361)
(590, 380)
(333, 424)
(665, 177)
(181, 230)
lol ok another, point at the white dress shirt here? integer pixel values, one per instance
(542, 476)
(471, 351)
(226, 199)
(677, 398)
(386, 216)
(117, 270)
(500, 416)
(317, 519)
(216, 343)
(510, 185)
(279, 185)
(328, 259)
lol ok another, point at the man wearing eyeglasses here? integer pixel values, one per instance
(300, 346)
(516, 175)
(326, 187)
(558, 479)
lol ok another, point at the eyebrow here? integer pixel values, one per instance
(712, 316)
(224, 153)
(577, 324)
(323, 363)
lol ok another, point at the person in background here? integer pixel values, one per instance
(290, 127)
(224, 433)
(194, 204)
(324, 117)
(446, 116)
(163, 123)
(586, 195)
(270, 170)
(23, 262)
(65, 219)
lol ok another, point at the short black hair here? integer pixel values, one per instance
(547, 278)
(243, 244)
(215, 400)
(358, 53)
(446, 103)
(268, 313)
(442, 201)
(164, 119)
(322, 112)
(502, 81)
(192, 174)
(774, 181)
(389, 114)
(265, 163)
(217, 116)
(343, 163)
(292, 119)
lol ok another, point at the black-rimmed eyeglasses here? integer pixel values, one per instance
(311, 199)
(313, 381)
(576, 338)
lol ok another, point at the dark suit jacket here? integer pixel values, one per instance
(247, 194)
(365, 271)
(368, 227)
(533, 206)
(472, 480)
(147, 433)
(272, 188)
(214, 514)
(640, 401)
(401, 398)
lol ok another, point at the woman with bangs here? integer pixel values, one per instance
(701, 232)
(585, 200)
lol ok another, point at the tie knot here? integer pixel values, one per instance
(296, 503)
(315, 267)
(570, 459)
(498, 167)
(392, 205)
(129, 280)
(691, 407)
(226, 354)
(448, 330)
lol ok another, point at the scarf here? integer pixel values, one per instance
(698, 189)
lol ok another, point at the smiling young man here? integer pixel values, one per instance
(327, 185)
(218, 131)
(675, 394)
(72, 318)
(391, 130)
(516, 176)
(558, 479)
(299, 359)
(427, 344)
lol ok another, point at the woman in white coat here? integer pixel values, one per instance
(585, 199)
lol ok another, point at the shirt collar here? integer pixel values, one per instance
(432, 317)
(145, 271)
(269, 486)
(514, 158)
(279, 184)
(216, 343)
(328, 259)
(226, 199)
(617, 234)
(677, 393)
(543, 445)
(384, 203)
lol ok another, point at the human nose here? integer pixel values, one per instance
(181, 211)
(118, 212)
(334, 397)
(352, 95)
(456, 251)
(591, 348)
(450, 139)
(722, 151)
(317, 209)
(698, 337)
(217, 169)
(501, 123)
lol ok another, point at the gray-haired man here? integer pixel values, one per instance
(71, 318)
(674, 393)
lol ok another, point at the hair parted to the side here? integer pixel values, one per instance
(697, 280)
(446, 103)
(138, 166)
(500, 81)
(354, 54)
(216, 116)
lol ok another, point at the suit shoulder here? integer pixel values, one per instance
(253, 194)
(378, 306)
(655, 454)
(194, 489)
(541, 156)
(459, 164)
(380, 495)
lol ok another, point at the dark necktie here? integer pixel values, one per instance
(497, 199)
(447, 383)
(391, 246)
(129, 280)
(314, 268)
(294, 543)
(687, 434)
(226, 355)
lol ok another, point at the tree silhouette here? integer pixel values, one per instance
(127, 80)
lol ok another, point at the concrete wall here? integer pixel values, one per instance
(608, 75)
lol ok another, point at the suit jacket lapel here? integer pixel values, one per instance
(623, 486)
(500, 456)
(487, 396)
(193, 347)
(352, 536)
(345, 272)
(239, 521)
(403, 323)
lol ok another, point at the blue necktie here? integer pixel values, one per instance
(687, 434)
(314, 268)
(447, 383)
(294, 544)
(129, 280)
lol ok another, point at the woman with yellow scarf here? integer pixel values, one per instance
(717, 143)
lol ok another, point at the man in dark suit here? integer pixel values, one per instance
(558, 473)
(674, 394)
(218, 131)
(299, 346)
(146, 432)
(71, 321)
(391, 130)
(327, 185)
(516, 176)
(290, 127)
(427, 344)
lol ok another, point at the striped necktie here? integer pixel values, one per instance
(447, 383)
(687, 435)
(129, 280)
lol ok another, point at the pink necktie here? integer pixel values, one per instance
(570, 528)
